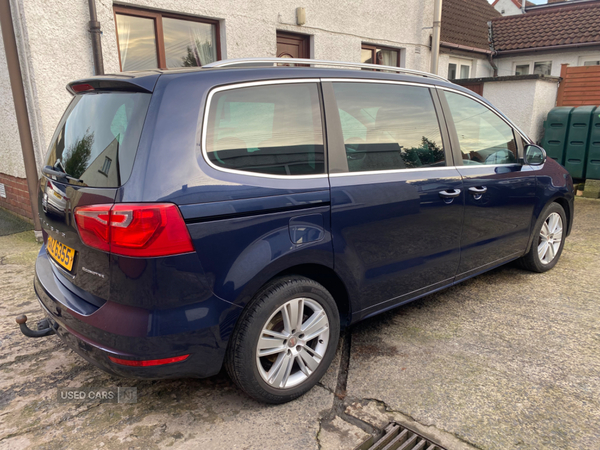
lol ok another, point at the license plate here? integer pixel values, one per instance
(62, 254)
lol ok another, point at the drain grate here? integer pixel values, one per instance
(398, 437)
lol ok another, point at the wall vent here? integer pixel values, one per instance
(2, 190)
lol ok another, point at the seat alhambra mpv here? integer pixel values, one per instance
(239, 214)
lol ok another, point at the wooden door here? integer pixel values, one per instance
(292, 45)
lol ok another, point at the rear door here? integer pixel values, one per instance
(90, 156)
(397, 200)
(499, 190)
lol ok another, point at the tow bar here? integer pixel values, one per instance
(43, 327)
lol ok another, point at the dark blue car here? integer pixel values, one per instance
(241, 213)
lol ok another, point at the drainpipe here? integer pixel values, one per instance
(18, 93)
(492, 51)
(435, 43)
(493, 64)
(96, 44)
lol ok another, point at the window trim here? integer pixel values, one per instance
(374, 47)
(335, 129)
(456, 152)
(459, 62)
(157, 17)
(206, 115)
(531, 64)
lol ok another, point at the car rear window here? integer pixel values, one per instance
(270, 129)
(97, 138)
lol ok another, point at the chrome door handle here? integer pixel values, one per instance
(453, 193)
(478, 190)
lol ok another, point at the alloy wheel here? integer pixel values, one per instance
(550, 239)
(292, 343)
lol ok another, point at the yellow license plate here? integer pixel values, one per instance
(62, 254)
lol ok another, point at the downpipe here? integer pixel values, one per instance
(43, 327)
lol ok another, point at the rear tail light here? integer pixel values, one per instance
(136, 229)
(148, 362)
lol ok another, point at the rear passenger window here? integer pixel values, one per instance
(483, 136)
(271, 129)
(388, 126)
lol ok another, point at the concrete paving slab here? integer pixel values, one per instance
(509, 359)
(11, 224)
(188, 413)
(337, 434)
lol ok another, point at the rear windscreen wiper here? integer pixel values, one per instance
(49, 170)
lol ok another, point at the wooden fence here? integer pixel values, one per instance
(579, 86)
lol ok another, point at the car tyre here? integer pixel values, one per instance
(284, 341)
(548, 240)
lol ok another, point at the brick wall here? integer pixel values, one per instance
(17, 196)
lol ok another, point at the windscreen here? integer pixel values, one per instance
(97, 139)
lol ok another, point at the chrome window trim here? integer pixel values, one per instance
(391, 171)
(499, 114)
(420, 169)
(245, 85)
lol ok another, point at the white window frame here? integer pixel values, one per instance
(531, 65)
(461, 62)
(584, 59)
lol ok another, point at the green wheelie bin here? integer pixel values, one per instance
(593, 160)
(577, 141)
(556, 127)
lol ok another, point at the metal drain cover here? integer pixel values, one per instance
(398, 437)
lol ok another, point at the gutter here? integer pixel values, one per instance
(18, 93)
(550, 47)
(465, 47)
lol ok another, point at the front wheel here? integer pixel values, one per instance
(285, 340)
(548, 240)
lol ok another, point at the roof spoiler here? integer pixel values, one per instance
(128, 83)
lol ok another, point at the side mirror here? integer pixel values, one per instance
(534, 155)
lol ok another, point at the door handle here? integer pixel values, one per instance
(450, 193)
(478, 190)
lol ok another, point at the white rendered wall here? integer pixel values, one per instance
(11, 157)
(55, 45)
(506, 64)
(525, 102)
(507, 8)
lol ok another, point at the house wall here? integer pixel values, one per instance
(506, 64)
(525, 102)
(10, 144)
(61, 45)
(55, 46)
(507, 8)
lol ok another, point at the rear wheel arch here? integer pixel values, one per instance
(564, 203)
(320, 273)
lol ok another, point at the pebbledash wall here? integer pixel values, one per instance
(55, 47)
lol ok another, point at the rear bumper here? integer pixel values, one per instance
(125, 332)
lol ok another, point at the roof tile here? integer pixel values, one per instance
(564, 24)
(464, 22)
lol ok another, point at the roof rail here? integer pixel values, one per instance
(261, 62)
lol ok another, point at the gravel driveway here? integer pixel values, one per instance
(509, 359)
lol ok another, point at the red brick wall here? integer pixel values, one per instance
(17, 196)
